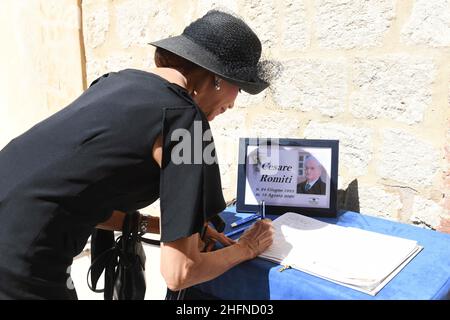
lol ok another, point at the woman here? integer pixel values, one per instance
(113, 150)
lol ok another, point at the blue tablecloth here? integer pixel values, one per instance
(427, 276)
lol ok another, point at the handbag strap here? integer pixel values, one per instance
(150, 241)
(107, 253)
(130, 230)
(102, 262)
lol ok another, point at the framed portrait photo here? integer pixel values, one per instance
(296, 175)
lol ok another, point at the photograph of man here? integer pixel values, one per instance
(313, 183)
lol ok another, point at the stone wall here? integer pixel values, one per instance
(41, 61)
(374, 74)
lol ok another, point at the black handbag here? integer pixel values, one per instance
(122, 259)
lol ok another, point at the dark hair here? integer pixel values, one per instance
(167, 59)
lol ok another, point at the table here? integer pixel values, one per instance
(426, 277)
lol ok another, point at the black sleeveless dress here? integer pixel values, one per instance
(69, 172)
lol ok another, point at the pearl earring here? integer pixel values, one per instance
(217, 83)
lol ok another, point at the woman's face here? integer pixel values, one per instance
(214, 102)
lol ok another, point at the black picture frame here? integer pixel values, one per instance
(328, 210)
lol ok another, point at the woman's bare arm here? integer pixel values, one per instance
(183, 265)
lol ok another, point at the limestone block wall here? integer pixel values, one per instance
(41, 61)
(374, 74)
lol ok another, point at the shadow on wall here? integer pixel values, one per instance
(348, 199)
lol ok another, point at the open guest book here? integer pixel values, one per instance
(363, 260)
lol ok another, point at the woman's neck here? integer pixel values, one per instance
(171, 75)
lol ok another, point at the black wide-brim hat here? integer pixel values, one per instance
(223, 44)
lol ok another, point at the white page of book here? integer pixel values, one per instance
(344, 254)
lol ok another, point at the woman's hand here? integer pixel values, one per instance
(183, 264)
(258, 237)
(210, 238)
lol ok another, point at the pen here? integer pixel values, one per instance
(245, 220)
(233, 232)
(263, 210)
